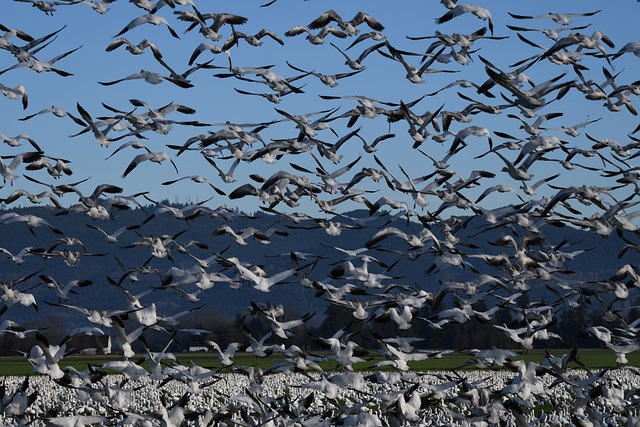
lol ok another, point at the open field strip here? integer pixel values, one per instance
(593, 358)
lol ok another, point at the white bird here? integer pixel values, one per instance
(98, 7)
(315, 39)
(461, 9)
(18, 92)
(225, 356)
(241, 236)
(100, 135)
(631, 47)
(414, 74)
(558, 18)
(56, 111)
(356, 64)
(44, 357)
(124, 339)
(459, 140)
(131, 370)
(63, 292)
(156, 157)
(33, 198)
(211, 32)
(11, 327)
(151, 78)
(19, 257)
(138, 145)
(43, 66)
(253, 40)
(622, 350)
(330, 80)
(12, 296)
(31, 221)
(553, 34)
(534, 128)
(9, 172)
(48, 7)
(97, 317)
(214, 49)
(517, 173)
(197, 179)
(415, 241)
(150, 18)
(134, 49)
(345, 353)
(228, 176)
(262, 283)
(348, 27)
(280, 328)
(398, 359)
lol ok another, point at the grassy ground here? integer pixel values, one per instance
(593, 358)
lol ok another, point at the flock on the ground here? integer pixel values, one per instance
(327, 162)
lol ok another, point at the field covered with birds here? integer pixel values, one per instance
(369, 214)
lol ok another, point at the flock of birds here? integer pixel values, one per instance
(321, 174)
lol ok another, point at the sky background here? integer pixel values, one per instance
(216, 101)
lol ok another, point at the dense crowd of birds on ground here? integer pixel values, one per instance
(314, 398)
(318, 175)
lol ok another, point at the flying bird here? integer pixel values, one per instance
(149, 18)
(461, 9)
(156, 157)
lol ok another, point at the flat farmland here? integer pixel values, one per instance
(592, 358)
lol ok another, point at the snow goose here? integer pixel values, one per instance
(156, 157)
(149, 18)
(18, 92)
(315, 39)
(134, 49)
(43, 66)
(461, 9)
(31, 221)
(48, 7)
(151, 78)
(558, 18)
(348, 27)
(253, 40)
(330, 80)
(356, 64)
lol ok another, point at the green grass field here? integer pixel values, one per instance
(593, 358)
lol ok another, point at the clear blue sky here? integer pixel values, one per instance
(215, 100)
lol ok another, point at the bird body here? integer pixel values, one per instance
(461, 9)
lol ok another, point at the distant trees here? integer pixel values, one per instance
(474, 333)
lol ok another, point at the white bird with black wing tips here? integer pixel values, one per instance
(558, 18)
(461, 9)
(344, 351)
(63, 291)
(253, 40)
(219, 20)
(415, 241)
(18, 92)
(134, 49)
(261, 283)
(156, 157)
(459, 141)
(316, 39)
(32, 221)
(279, 327)
(43, 66)
(348, 27)
(150, 77)
(330, 80)
(149, 18)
